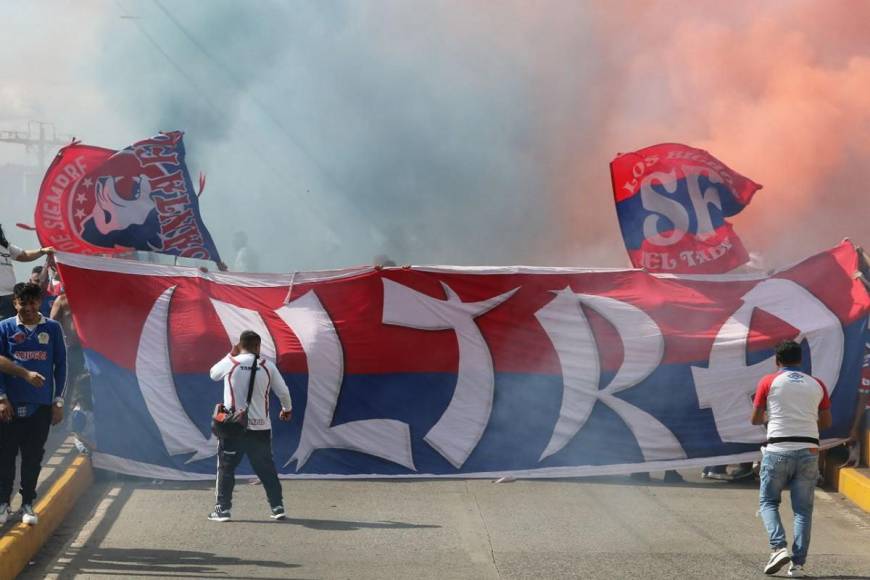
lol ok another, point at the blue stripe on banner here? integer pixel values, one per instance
(632, 213)
(525, 410)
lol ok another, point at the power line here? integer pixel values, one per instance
(202, 94)
(240, 85)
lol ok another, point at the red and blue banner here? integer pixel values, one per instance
(461, 372)
(100, 201)
(672, 201)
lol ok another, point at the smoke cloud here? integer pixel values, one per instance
(460, 132)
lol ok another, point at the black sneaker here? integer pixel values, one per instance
(219, 514)
(278, 513)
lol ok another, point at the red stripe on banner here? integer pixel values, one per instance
(110, 310)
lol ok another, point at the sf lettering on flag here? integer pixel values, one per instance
(100, 201)
(672, 201)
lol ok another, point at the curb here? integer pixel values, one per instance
(865, 455)
(20, 544)
(855, 485)
(854, 482)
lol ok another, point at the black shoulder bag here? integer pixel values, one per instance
(229, 423)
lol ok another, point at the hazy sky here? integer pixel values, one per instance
(457, 132)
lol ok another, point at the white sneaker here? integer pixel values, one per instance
(796, 570)
(778, 559)
(28, 516)
(4, 513)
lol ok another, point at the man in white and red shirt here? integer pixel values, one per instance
(795, 407)
(256, 442)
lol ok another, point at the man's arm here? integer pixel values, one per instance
(10, 368)
(44, 279)
(221, 368)
(280, 387)
(759, 405)
(58, 307)
(5, 406)
(825, 419)
(758, 417)
(59, 349)
(30, 255)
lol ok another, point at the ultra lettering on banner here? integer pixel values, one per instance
(411, 372)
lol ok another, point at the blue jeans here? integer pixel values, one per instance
(798, 469)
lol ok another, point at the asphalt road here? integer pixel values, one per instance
(583, 528)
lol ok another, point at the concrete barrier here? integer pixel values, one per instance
(20, 544)
(855, 484)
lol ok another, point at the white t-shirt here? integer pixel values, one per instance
(7, 272)
(235, 372)
(793, 400)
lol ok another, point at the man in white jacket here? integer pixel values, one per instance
(256, 442)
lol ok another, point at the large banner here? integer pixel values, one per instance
(672, 201)
(471, 372)
(99, 201)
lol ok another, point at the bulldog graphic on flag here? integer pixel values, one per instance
(99, 201)
(672, 201)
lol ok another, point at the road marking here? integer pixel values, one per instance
(843, 509)
(84, 534)
(469, 523)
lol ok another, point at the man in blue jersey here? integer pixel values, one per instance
(27, 411)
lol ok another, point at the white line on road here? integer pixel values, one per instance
(843, 509)
(84, 535)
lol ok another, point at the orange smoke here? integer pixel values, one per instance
(779, 91)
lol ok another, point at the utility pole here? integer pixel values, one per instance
(38, 140)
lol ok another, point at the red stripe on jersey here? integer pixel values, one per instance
(230, 382)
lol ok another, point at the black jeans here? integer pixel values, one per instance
(26, 435)
(258, 447)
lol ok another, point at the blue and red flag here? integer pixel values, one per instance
(672, 201)
(100, 201)
(472, 372)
